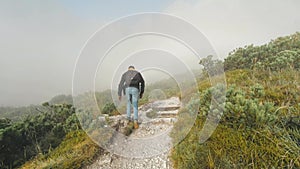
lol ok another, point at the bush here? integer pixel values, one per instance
(36, 134)
(110, 109)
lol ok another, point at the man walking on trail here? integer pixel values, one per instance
(132, 84)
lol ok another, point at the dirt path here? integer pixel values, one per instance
(147, 147)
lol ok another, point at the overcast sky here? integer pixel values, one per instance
(40, 40)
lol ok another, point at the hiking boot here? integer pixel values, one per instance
(135, 125)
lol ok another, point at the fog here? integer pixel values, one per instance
(41, 40)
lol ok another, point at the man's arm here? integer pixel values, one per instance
(142, 85)
(121, 85)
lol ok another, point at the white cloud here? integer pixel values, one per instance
(39, 45)
(40, 40)
(234, 23)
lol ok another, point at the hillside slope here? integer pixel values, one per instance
(260, 124)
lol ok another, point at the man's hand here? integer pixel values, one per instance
(120, 98)
(141, 95)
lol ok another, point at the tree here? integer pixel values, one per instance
(211, 65)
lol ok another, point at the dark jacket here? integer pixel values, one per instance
(131, 78)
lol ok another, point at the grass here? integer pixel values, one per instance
(77, 150)
(229, 148)
(258, 129)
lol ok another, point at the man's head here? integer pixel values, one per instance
(131, 67)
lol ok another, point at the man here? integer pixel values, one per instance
(133, 84)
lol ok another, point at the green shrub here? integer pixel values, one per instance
(110, 109)
(277, 55)
(37, 134)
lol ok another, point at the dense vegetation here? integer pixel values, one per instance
(279, 54)
(36, 134)
(260, 124)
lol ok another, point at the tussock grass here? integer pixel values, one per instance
(76, 150)
(259, 127)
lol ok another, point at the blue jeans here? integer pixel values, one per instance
(134, 92)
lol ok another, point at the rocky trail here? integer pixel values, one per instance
(147, 147)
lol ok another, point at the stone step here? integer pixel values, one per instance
(172, 113)
(166, 108)
(164, 120)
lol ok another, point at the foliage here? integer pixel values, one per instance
(279, 54)
(104, 97)
(4, 122)
(212, 65)
(36, 134)
(110, 109)
(238, 148)
(259, 127)
(75, 151)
